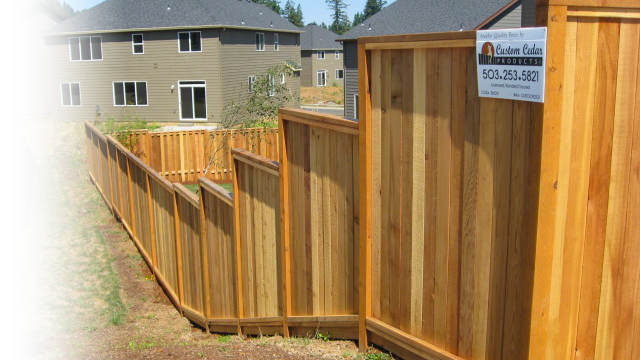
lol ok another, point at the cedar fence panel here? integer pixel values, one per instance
(258, 243)
(319, 186)
(217, 205)
(586, 300)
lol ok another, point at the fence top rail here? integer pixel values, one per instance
(597, 3)
(203, 131)
(326, 121)
(182, 191)
(216, 190)
(257, 161)
(162, 181)
(438, 36)
(95, 130)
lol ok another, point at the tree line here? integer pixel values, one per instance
(341, 22)
(63, 8)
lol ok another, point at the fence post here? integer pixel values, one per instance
(236, 236)
(152, 228)
(176, 216)
(205, 261)
(284, 222)
(364, 275)
(131, 207)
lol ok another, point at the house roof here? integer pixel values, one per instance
(318, 38)
(15, 7)
(427, 16)
(128, 15)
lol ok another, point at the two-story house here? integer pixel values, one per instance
(166, 61)
(25, 77)
(423, 16)
(322, 58)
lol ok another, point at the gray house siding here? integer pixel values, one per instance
(161, 66)
(528, 13)
(240, 59)
(512, 19)
(350, 77)
(25, 77)
(309, 72)
(305, 74)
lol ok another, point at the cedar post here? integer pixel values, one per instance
(284, 222)
(365, 195)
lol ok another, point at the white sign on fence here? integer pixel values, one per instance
(511, 63)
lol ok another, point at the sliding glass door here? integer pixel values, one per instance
(193, 100)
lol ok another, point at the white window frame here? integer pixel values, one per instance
(193, 106)
(90, 48)
(337, 77)
(190, 51)
(70, 95)
(326, 78)
(113, 90)
(337, 54)
(282, 78)
(318, 55)
(260, 43)
(276, 42)
(356, 111)
(271, 83)
(251, 80)
(133, 44)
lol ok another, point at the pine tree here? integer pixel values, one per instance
(358, 19)
(341, 23)
(271, 4)
(372, 7)
(324, 26)
(292, 14)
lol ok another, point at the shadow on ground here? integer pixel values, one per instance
(18, 182)
(28, 344)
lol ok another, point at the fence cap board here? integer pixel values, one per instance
(187, 194)
(596, 3)
(458, 35)
(250, 158)
(162, 181)
(321, 120)
(95, 130)
(217, 190)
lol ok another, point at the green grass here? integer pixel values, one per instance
(194, 187)
(58, 268)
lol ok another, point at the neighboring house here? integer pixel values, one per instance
(166, 61)
(25, 75)
(423, 16)
(322, 58)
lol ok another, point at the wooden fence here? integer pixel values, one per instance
(222, 259)
(183, 156)
(442, 226)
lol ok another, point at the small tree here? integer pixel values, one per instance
(254, 107)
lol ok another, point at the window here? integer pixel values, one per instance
(276, 42)
(322, 78)
(259, 41)
(252, 79)
(190, 41)
(339, 74)
(137, 42)
(282, 78)
(130, 93)
(356, 106)
(271, 83)
(70, 94)
(193, 100)
(321, 54)
(337, 54)
(85, 48)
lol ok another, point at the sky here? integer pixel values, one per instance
(312, 10)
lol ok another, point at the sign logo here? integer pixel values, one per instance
(487, 54)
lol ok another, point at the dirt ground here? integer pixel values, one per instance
(325, 95)
(96, 298)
